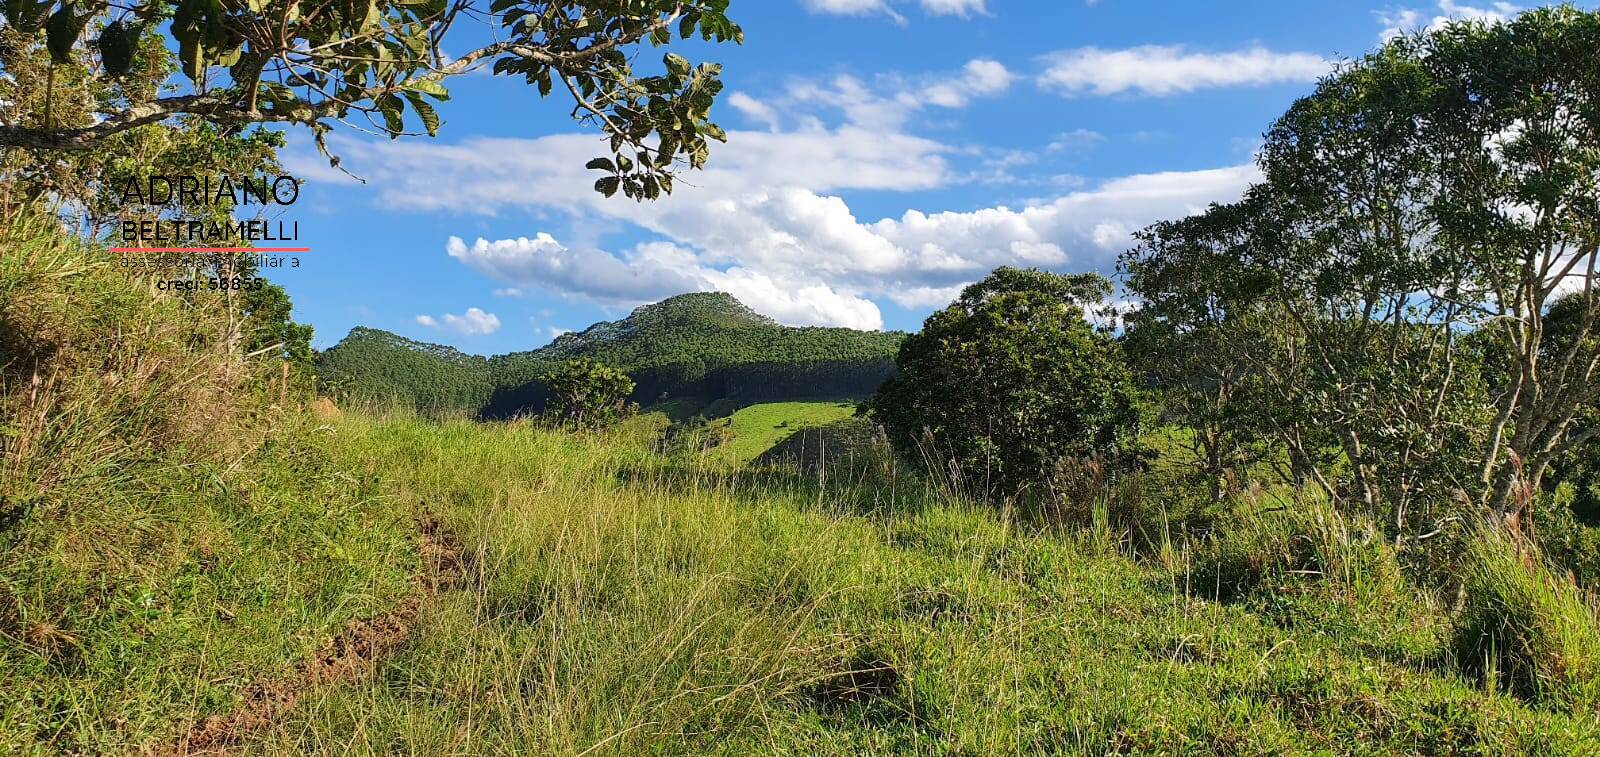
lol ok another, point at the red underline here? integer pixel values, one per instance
(211, 249)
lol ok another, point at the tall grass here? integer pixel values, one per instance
(168, 535)
(1525, 627)
(622, 604)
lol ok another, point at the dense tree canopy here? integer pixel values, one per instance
(1445, 186)
(1008, 380)
(586, 395)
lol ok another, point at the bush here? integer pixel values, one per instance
(1571, 544)
(1524, 628)
(587, 395)
(1008, 380)
(1302, 537)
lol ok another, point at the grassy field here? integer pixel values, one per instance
(184, 549)
(758, 428)
(618, 604)
(169, 534)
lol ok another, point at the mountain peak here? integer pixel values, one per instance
(707, 308)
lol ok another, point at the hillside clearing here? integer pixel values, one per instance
(758, 428)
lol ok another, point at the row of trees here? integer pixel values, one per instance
(1402, 313)
(1405, 303)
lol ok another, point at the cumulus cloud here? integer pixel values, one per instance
(654, 270)
(474, 322)
(1405, 20)
(1161, 70)
(979, 77)
(806, 259)
(768, 221)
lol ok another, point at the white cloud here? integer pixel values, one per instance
(1157, 70)
(754, 109)
(1405, 20)
(1077, 140)
(768, 220)
(979, 77)
(870, 7)
(804, 258)
(655, 270)
(474, 322)
(889, 102)
(508, 292)
(954, 7)
(853, 8)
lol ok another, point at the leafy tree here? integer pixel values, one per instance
(1188, 339)
(1010, 379)
(586, 394)
(1443, 185)
(317, 64)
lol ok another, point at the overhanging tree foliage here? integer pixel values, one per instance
(316, 63)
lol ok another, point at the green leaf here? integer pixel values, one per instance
(430, 117)
(117, 43)
(27, 15)
(62, 31)
(430, 87)
(607, 186)
(392, 107)
(676, 64)
(601, 164)
(192, 56)
(229, 57)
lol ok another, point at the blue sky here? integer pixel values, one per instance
(882, 153)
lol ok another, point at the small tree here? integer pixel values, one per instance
(586, 394)
(1010, 379)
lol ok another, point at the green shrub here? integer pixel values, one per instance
(1523, 627)
(1260, 545)
(1007, 380)
(1571, 544)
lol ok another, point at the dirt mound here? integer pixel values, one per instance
(325, 410)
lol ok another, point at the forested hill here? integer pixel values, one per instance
(704, 345)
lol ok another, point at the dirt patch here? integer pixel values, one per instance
(325, 410)
(353, 653)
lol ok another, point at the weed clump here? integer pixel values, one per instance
(1303, 539)
(1523, 628)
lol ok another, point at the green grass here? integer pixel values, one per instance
(758, 428)
(135, 610)
(619, 604)
(169, 532)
